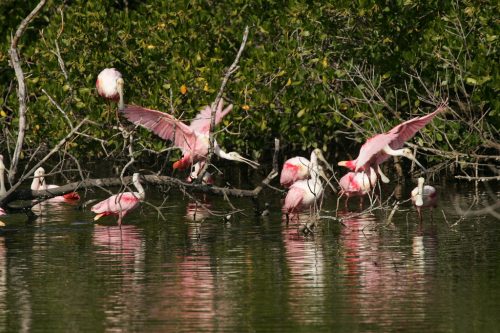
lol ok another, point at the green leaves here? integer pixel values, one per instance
(298, 78)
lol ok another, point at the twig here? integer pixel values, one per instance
(21, 88)
(12, 190)
(481, 179)
(230, 71)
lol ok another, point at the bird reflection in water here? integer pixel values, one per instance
(121, 257)
(380, 277)
(305, 261)
(188, 295)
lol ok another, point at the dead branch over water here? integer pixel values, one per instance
(21, 86)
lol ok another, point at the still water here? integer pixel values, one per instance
(195, 272)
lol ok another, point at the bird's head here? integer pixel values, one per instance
(406, 152)
(321, 157)
(234, 156)
(348, 164)
(40, 173)
(420, 191)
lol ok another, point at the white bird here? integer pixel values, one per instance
(38, 184)
(424, 197)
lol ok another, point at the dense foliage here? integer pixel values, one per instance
(311, 74)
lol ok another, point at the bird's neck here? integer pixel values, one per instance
(388, 150)
(2, 182)
(140, 189)
(37, 183)
(221, 153)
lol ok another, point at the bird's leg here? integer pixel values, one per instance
(383, 177)
(338, 202)
(287, 218)
(419, 211)
(361, 199)
(120, 215)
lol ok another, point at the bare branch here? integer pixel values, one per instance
(230, 71)
(21, 87)
(63, 141)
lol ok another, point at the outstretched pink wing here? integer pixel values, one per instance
(372, 147)
(407, 130)
(201, 123)
(395, 138)
(162, 124)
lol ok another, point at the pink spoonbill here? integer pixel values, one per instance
(193, 140)
(298, 168)
(196, 168)
(357, 184)
(120, 204)
(304, 193)
(424, 196)
(38, 184)
(109, 85)
(379, 148)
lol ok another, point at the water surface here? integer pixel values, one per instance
(195, 272)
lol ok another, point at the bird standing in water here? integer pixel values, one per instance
(357, 184)
(424, 196)
(304, 193)
(298, 168)
(120, 204)
(379, 148)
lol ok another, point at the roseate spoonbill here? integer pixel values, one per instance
(304, 193)
(3, 191)
(38, 184)
(2, 212)
(193, 140)
(423, 197)
(120, 204)
(195, 173)
(380, 147)
(298, 168)
(109, 85)
(358, 184)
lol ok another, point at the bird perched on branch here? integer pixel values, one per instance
(120, 204)
(109, 85)
(193, 140)
(38, 184)
(298, 168)
(379, 148)
(424, 196)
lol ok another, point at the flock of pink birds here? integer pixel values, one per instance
(302, 177)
